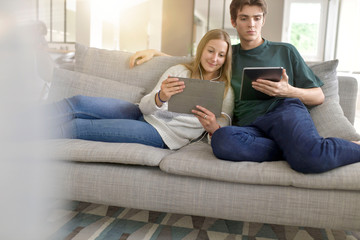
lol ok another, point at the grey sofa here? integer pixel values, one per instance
(192, 180)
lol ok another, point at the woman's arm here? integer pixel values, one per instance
(143, 56)
(148, 102)
(227, 109)
(168, 86)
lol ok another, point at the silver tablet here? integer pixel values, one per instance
(208, 94)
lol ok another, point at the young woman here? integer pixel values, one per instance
(150, 123)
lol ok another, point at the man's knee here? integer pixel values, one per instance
(307, 163)
(219, 142)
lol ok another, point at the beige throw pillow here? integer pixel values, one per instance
(329, 117)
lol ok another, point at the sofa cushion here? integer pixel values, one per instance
(91, 151)
(69, 83)
(348, 91)
(330, 121)
(112, 64)
(328, 117)
(197, 160)
(327, 73)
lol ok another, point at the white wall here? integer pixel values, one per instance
(348, 48)
(128, 26)
(83, 22)
(274, 21)
(155, 24)
(177, 28)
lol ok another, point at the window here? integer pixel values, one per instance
(305, 27)
(211, 14)
(59, 18)
(125, 25)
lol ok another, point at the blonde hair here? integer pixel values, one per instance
(225, 69)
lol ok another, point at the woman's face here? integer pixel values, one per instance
(213, 56)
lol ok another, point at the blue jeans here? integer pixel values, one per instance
(101, 119)
(287, 132)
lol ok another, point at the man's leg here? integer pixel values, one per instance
(244, 144)
(291, 127)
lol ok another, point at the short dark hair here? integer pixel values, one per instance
(237, 5)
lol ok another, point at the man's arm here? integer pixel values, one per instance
(143, 56)
(310, 96)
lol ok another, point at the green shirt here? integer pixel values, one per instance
(268, 54)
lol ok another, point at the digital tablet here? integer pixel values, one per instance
(206, 93)
(247, 92)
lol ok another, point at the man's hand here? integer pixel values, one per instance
(143, 56)
(274, 89)
(309, 96)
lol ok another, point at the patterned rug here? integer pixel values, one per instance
(83, 221)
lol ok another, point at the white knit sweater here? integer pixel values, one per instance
(176, 129)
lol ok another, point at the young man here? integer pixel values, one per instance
(279, 128)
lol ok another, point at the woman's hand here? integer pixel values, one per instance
(207, 119)
(143, 56)
(169, 87)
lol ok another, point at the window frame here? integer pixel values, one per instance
(322, 34)
(51, 20)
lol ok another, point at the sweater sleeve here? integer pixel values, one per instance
(147, 104)
(227, 109)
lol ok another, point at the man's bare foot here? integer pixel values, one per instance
(357, 142)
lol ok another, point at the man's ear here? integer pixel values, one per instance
(263, 23)
(233, 22)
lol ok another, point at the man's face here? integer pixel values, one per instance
(248, 23)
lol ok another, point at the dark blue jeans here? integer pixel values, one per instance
(100, 119)
(287, 132)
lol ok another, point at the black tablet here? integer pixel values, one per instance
(247, 92)
(206, 93)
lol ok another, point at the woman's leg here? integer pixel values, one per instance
(101, 108)
(114, 130)
(59, 113)
(244, 144)
(291, 127)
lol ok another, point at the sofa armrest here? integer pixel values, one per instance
(348, 88)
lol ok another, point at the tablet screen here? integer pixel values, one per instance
(208, 94)
(247, 92)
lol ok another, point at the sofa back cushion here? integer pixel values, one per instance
(327, 73)
(329, 117)
(67, 83)
(114, 65)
